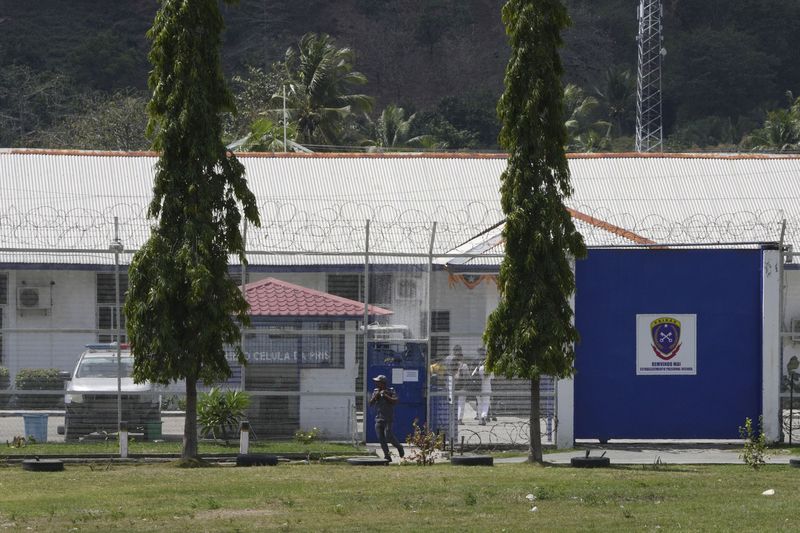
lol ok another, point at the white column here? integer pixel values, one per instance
(565, 398)
(565, 413)
(770, 345)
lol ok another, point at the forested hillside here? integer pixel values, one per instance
(71, 68)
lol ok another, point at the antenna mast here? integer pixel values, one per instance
(649, 133)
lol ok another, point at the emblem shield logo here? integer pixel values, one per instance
(666, 335)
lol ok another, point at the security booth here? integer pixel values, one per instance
(403, 362)
(301, 360)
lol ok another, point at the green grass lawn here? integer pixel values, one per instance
(339, 497)
(156, 448)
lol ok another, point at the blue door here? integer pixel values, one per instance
(403, 363)
(721, 290)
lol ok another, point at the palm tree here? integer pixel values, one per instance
(781, 132)
(318, 80)
(583, 134)
(617, 97)
(781, 129)
(392, 131)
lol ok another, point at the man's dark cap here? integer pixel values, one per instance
(379, 379)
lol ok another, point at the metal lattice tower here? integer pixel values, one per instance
(649, 134)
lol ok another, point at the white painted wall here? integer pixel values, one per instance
(70, 321)
(771, 353)
(331, 414)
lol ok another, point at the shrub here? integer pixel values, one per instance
(307, 437)
(219, 413)
(3, 372)
(426, 443)
(755, 444)
(39, 379)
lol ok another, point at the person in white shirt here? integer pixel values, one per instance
(484, 399)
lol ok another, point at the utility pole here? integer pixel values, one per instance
(649, 132)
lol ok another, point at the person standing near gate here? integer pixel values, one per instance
(384, 399)
(485, 396)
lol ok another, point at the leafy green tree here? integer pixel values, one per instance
(30, 101)
(103, 122)
(252, 93)
(433, 125)
(318, 79)
(584, 133)
(393, 130)
(781, 130)
(531, 332)
(267, 136)
(617, 96)
(182, 308)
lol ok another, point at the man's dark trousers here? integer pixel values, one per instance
(386, 436)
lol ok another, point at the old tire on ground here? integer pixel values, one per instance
(590, 462)
(794, 462)
(472, 460)
(367, 461)
(43, 465)
(256, 459)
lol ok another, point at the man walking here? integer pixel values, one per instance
(384, 399)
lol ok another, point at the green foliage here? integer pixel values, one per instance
(182, 308)
(39, 379)
(586, 133)
(781, 130)
(531, 331)
(3, 372)
(755, 443)
(20, 442)
(393, 131)
(101, 121)
(252, 94)
(617, 96)
(306, 437)
(426, 443)
(267, 136)
(30, 100)
(318, 77)
(220, 412)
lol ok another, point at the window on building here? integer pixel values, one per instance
(107, 306)
(3, 303)
(407, 288)
(346, 285)
(3, 288)
(351, 286)
(440, 328)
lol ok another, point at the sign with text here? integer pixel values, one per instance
(305, 351)
(666, 345)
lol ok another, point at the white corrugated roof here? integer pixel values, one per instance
(319, 203)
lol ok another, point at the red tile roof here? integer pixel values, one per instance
(273, 297)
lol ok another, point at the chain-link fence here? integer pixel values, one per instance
(310, 359)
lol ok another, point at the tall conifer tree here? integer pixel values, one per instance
(182, 308)
(532, 332)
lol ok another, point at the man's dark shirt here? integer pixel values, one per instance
(384, 405)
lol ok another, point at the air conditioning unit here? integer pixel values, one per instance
(33, 298)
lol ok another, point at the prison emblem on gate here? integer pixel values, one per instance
(666, 335)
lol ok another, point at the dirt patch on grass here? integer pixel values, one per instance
(233, 513)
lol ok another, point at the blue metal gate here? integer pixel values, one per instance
(403, 363)
(721, 289)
